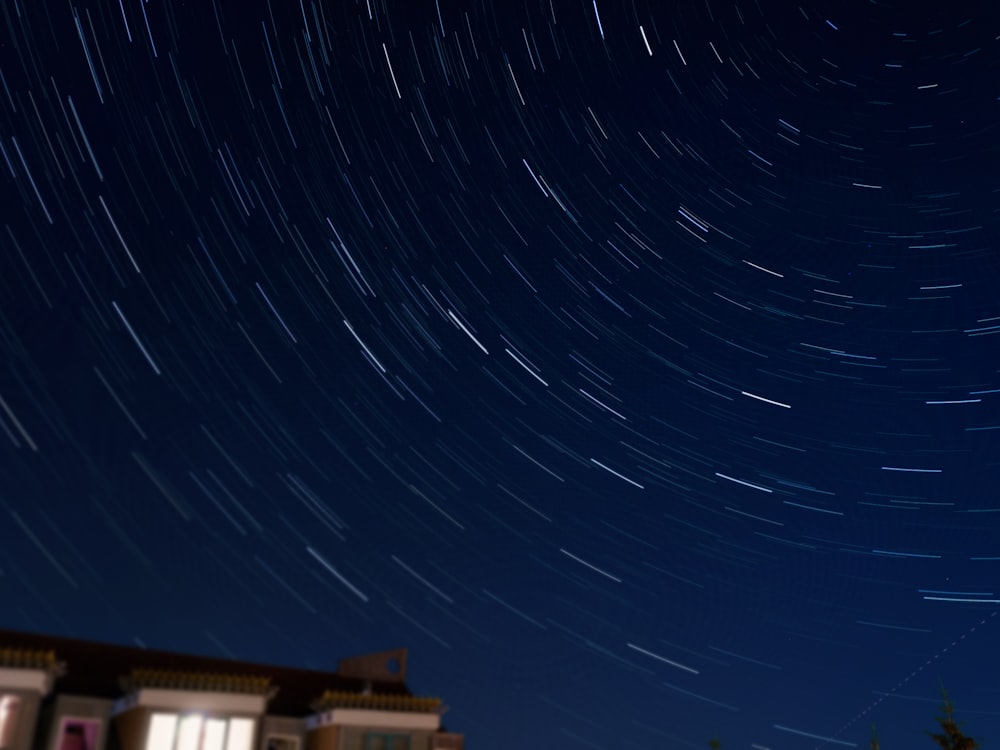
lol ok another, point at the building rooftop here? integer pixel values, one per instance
(109, 671)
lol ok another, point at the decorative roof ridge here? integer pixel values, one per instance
(28, 658)
(215, 682)
(384, 702)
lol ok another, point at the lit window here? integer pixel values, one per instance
(189, 733)
(8, 719)
(162, 728)
(195, 732)
(215, 734)
(240, 735)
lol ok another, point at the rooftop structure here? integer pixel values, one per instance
(65, 694)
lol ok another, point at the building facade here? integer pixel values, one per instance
(64, 694)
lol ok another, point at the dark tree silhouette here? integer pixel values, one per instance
(951, 736)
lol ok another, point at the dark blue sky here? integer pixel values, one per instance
(632, 365)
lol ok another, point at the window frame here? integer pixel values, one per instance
(205, 717)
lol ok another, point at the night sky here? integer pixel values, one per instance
(631, 363)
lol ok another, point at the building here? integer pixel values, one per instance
(64, 694)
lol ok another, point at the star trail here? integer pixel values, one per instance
(630, 363)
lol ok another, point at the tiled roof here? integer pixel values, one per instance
(339, 699)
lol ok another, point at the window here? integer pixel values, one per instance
(9, 704)
(197, 732)
(281, 742)
(78, 734)
(387, 742)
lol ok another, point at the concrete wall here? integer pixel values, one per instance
(324, 738)
(129, 729)
(27, 718)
